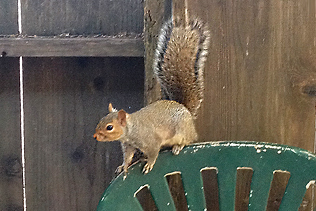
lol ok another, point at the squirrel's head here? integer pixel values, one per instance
(112, 126)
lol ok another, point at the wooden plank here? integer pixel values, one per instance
(243, 188)
(96, 47)
(107, 17)
(64, 100)
(210, 188)
(261, 57)
(177, 191)
(155, 14)
(277, 189)
(11, 197)
(8, 17)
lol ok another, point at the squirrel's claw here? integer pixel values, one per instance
(176, 149)
(147, 168)
(119, 169)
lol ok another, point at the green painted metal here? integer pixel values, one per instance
(263, 158)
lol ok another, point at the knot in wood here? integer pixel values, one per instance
(77, 156)
(12, 167)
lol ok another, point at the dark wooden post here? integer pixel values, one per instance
(155, 13)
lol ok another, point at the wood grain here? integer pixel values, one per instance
(243, 183)
(260, 73)
(48, 47)
(64, 100)
(309, 201)
(277, 189)
(260, 55)
(179, 10)
(46, 17)
(177, 191)
(210, 188)
(155, 14)
(146, 200)
(261, 59)
(10, 139)
(8, 17)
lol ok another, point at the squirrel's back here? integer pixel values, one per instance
(166, 119)
(179, 61)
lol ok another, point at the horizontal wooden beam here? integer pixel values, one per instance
(60, 47)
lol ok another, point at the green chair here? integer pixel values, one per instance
(264, 160)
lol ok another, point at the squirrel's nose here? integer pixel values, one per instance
(95, 136)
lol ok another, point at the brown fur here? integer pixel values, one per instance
(178, 64)
(163, 123)
(102, 134)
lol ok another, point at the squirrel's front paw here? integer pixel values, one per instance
(119, 169)
(147, 168)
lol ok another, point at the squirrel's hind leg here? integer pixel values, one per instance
(178, 142)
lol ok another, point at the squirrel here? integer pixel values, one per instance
(178, 65)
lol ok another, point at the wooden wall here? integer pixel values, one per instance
(260, 82)
(261, 58)
(10, 139)
(108, 17)
(95, 17)
(64, 100)
(8, 17)
(64, 97)
(260, 74)
(260, 71)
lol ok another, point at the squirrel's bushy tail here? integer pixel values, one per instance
(179, 62)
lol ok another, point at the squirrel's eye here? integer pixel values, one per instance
(109, 127)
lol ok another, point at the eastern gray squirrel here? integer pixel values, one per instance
(178, 64)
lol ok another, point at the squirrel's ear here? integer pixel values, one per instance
(121, 117)
(110, 107)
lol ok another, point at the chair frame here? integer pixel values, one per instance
(263, 158)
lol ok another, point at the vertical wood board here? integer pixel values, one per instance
(46, 17)
(8, 17)
(260, 58)
(64, 100)
(155, 14)
(10, 138)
